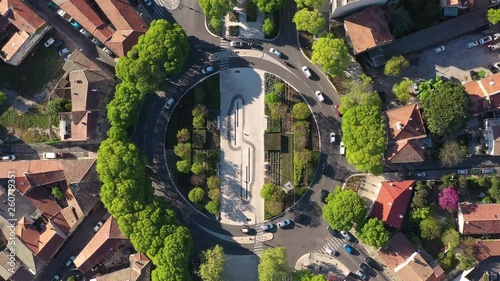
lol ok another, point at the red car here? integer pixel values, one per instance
(337, 110)
(64, 155)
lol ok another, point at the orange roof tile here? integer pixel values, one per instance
(14, 44)
(43, 244)
(405, 123)
(392, 202)
(479, 218)
(407, 151)
(477, 97)
(20, 15)
(368, 29)
(398, 250)
(416, 269)
(485, 249)
(122, 15)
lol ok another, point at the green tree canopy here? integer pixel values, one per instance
(300, 111)
(402, 90)
(451, 238)
(196, 195)
(183, 166)
(213, 182)
(374, 233)
(309, 3)
(447, 108)
(279, 88)
(123, 110)
(395, 65)
(56, 192)
(271, 98)
(430, 228)
(3, 97)
(183, 150)
(213, 207)
(310, 21)
(420, 195)
(268, 190)
(183, 135)
(268, 26)
(401, 23)
(452, 154)
(269, 6)
(212, 264)
(331, 54)
(216, 9)
(495, 188)
(344, 208)
(493, 16)
(466, 260)
(273, 264)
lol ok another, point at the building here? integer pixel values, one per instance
(105, 243)
(401, 257)
(88, 87)
(139, 270)
(23, 27)
(392, 202)
(483, 94)
(492, 136)
(342, 8)
(119, 30)
(478, 219)
(406, 136)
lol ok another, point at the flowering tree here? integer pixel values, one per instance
(448, 199)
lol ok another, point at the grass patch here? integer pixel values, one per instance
(39, 67)
(287, 149)
(251, 11)
(33, 135)
(35, 118)
(212, 98)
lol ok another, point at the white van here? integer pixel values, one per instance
(49, 155)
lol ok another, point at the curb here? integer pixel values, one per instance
(359, 174)
(208, 30)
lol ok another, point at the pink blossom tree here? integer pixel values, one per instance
(448, 199)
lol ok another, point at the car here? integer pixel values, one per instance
(439, 50)
(67, 57)
(494, 47)
(299, 218)
(148, 3)
(53, 6)
(8, 149)
(487, 171)
(462, 171)
(365, 268)
(169, 103)
(49, 42)
(372, 263)
(9, 157)
(63, 52)
(284, 223)
(332, 137)
(70, 261)
(320, 96)
(342, 148)
(323, 195)
(236, 44)
(207, 69)
(96, 42)
(346, 235)
(348, 248)
(485, 40)
(333, 232)
(497, 65)
(247, 230)
(415, 89)
(472, 44)
(107, 51)
(275, 52)
(339, 114)
(56, 277)
(306, 72)
(85, 33)
(57, 44)
(361, 275)
(64, 155)
(75, 24)
(267, 227)
(420, 174)
(98, 226)
(331, 252)
(323, 168)
(493, 69)
(49, 155)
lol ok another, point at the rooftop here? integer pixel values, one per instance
(479, 218)
(392, 202)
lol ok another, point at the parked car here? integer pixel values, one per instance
(169, 103)
(323, 195)
(361, 275)
(236, 44)
(462, 171)
(63, 52)
(207, 69)
(8, 149)
(248, 230)
(472, 44)
(323, 168)
(57, 44)
(49, 42)
(75, 24)
(485, 40)
(348, 248)
(372, 263)
(96, 42)
(331, 252)
(346, 235)
(267, 227)
(494, 47)
(9, 157)
(107, 51)
(53, 6)
(332, 137)
(67, 57)
(320, 96)
(487, 171)
(70, 261)
(306, 72)
(98, 226)
(284, 223)
(439, 50)
(85, 33)
(339, 114)
(49, 155)
(420, 174)
(299, 218)
(365, 268)
(497, 65)
(275, 52)
(148, 3)
(493, 69)
(56, 277)
(342, 148)
(496, 35)
(64, 155)
(333, 232)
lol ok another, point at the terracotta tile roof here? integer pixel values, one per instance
(484, 93)
(41, 199)
(392, 202)
(123, 41)
(44, 178)
(87, 190)
(43, 244)
(139, 270)
(398, 250)
(416, 269)
(21, 15)
(410, 151)
(368, 29)
(21, 168)
(485, 249)
(122, 15)
(106, 241)
(14, 44)
(479, 218)
(86, 127)
(74, 171)
(405, 123)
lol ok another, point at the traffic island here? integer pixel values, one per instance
(322, 264)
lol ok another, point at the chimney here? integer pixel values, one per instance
(401, 216)
(390, 203)
(400, 125)
(391, 184)
(492, 83)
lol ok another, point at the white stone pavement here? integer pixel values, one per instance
(242, 146)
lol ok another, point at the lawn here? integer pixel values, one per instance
(32, 127)
(287, 149)
(38, 68)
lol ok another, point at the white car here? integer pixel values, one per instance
(107, 51)
(462, 172)
(49, 42)
(439, 50)
(472, 44)
(485, 40)
(487, 171)
(275, 52)
(169, 103)
(267, 227)
(346, 235)
(67, 57)
(320, 96)
(9, 157)
(236, 44)
(207, 69)
(342, 148)
(307, 72)
(331, 252)
(63, 52)
(148, 3)
(496, 35)
(85, 33)
(332, 137)
(284, 223)
(98, 226)
(494, 47)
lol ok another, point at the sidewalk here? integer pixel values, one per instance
(241, 239)
(247, 30)
(322, 264)
(236, 53)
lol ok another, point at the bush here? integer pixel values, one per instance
(3, 97)
(268, 26)
(197, 180)
(297, 176)
(402, 90)
(214, 194)
(213, 182)
(57, 193)
(183, 135)
(183, 166)
(213, 207)
(183, 150)
(267, 191)
(300, 111)
(279, 88)
(196, 195)
(55, 106)
(395, 66)
(271, 98)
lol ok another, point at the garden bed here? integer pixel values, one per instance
(234, 31)
(306, 40)
(275, 17)
(354, 183)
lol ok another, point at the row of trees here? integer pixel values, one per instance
(127, 192)
(302, 156)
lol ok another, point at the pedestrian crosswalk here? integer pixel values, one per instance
(330, 243)
(258, 244)
(224, 62)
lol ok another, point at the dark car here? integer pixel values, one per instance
(323, 168)
(299, 218)
(324, 194)
(8, 149)
(64, 155)
(248, 230)
(333, 232)
(372, 263)
(366, 269)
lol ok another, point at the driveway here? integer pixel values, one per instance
(370, 187)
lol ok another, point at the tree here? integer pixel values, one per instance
(213, 207)
(199, 114)
(183, 150)
(216, 9)
(310, 21)
(301, 158)
(268, 26)
(331, 54)
(300, 111)
(448, 199)
(183, 166)
(55, 106)
(452, 154)
(57, 193)
(271, 98)
(196, 195)
(278, 109)
(269, 6)
(430, 228)
(273, 264)
(493, 16)
(344, 209)
(267, 191)
(198, 180)
(395, 65)
(447, 108)
(420, 196)
(213, 182)
(309, 3)
(374, 233)
(212, 264)
(466, 260)
(183, 135)
(451, 238)
(449, 180)
(401, 23)
(3, 97)
(494, 190)
(214, 194)
(123, 110)
(402, 90)
(279, 88)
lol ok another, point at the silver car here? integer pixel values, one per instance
(320, 96)
(306, 72)
(275, 52)
(236, 44)
(267, 227)
(284, 223)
